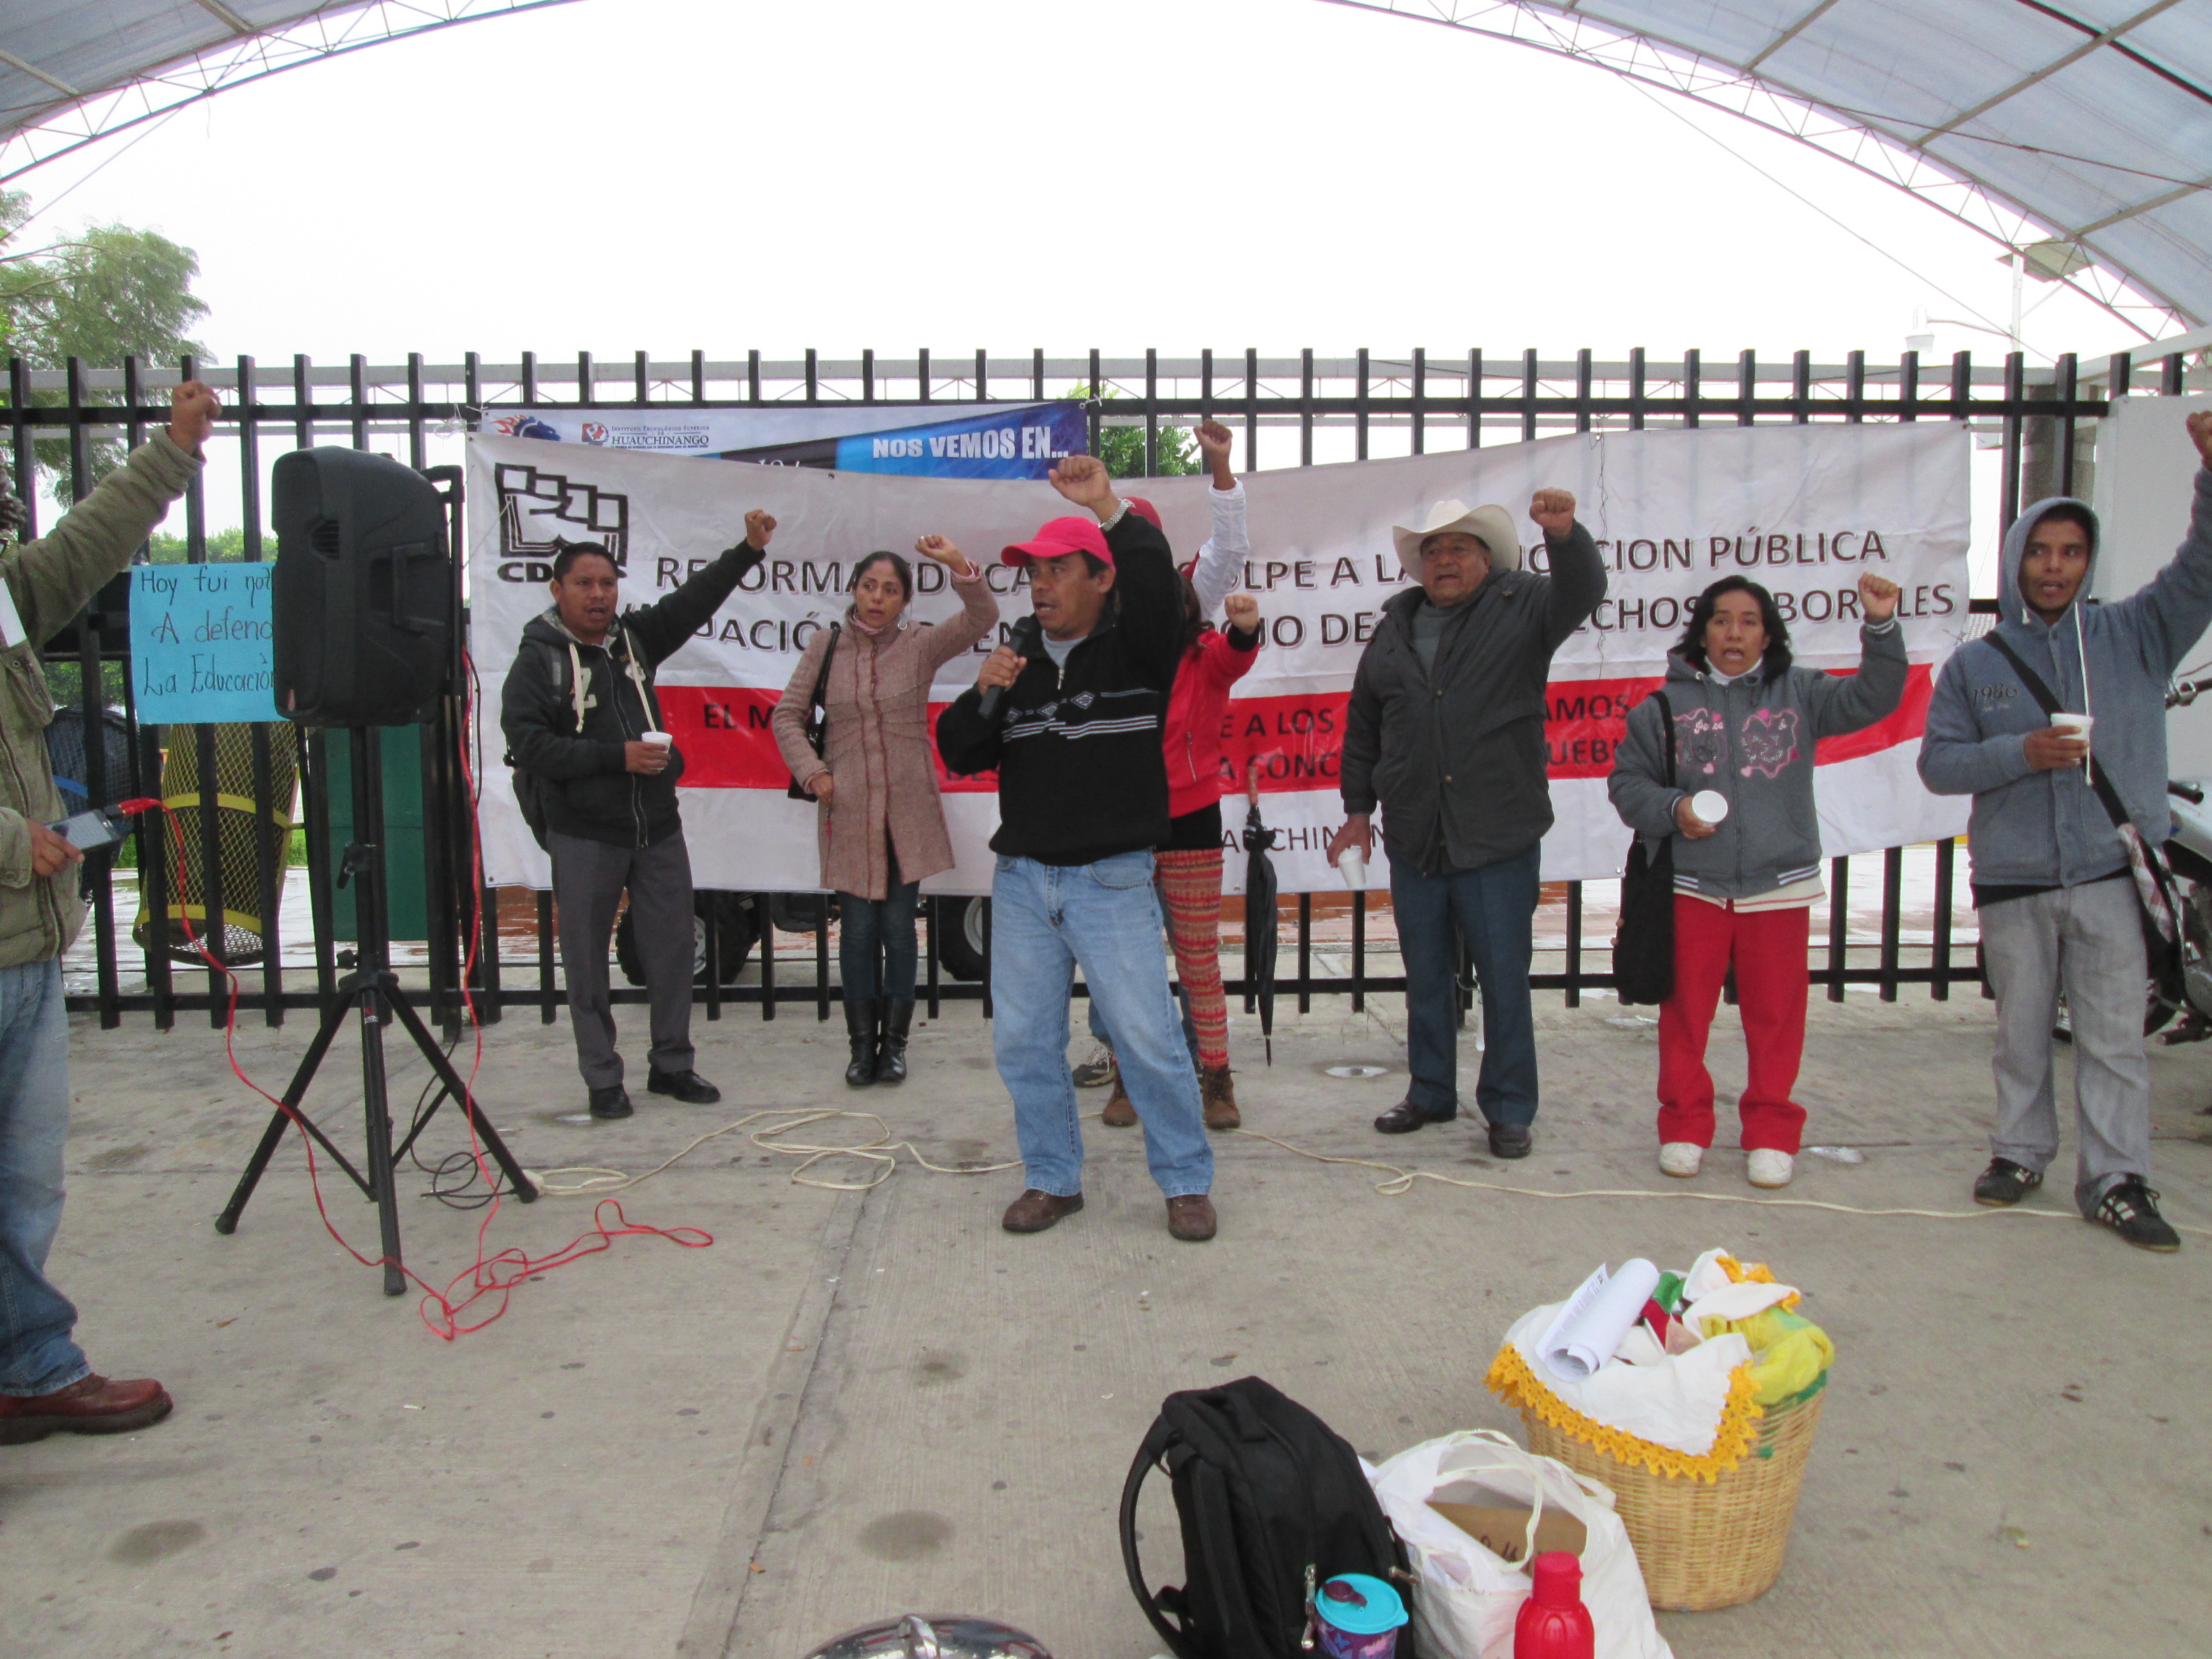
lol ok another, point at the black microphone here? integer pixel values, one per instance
(1027, 640)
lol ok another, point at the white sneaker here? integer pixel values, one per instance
(1771, 1168)
(1682, 1158)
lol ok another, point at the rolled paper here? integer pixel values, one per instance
(1588, 1330)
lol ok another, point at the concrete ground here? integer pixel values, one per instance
(854, 1405)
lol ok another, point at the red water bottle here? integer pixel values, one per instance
(1554, 1622)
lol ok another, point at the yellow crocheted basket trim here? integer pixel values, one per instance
(1512, 1381)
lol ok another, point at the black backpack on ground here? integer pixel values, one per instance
(1272, 1503)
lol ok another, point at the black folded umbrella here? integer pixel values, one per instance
(1260, 941)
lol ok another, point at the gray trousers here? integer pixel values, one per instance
(2086, 941)
(588, 879)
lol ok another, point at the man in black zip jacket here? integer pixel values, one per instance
(1083, 799)
(578, 701)
(1445, 729)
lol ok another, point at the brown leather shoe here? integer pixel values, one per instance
(91, 1404)
(1120, 1113)
(1034, 1212)
(1191, 1217)
(1219, 1095)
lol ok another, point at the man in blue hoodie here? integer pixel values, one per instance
(2051, 871)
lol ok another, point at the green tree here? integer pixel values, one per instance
(222, 546)
(109, 294)
(1122, 447)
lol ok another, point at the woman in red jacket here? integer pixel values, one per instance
(1186, 868)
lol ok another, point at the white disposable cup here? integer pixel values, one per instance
(658, 739)
(2075, 724)
(1709, 805)
(1353, 864)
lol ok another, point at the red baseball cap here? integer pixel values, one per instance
(1145, 510)
(1058, 537)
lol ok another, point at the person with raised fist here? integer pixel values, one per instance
(1187, 866)
(881, 826)
(1446, 732)
(2067, 818)
(1074, 732)
(46, 1384)
(595, 773)
(1739, 722)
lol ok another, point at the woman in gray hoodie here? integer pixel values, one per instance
(1745, 724)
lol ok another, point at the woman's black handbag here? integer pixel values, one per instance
(1643, 940)
(817, 716)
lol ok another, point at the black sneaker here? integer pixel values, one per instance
(2130, 1210)
(2005, 1183)
(612, 1102)
(687, 1087)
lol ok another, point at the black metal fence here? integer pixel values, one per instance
(1292, 412)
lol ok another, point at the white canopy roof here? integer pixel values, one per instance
(72, 71)
(2080, 129)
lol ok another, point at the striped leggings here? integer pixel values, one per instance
(1190, 882)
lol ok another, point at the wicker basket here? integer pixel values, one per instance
(1702, 1544)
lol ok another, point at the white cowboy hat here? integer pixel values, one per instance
(1491, 526)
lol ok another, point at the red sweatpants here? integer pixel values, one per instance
(1769, 951)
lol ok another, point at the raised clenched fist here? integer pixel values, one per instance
(193, 409)
(1083, 479)
(1553, 510)
(1878, 594)
(941, 548)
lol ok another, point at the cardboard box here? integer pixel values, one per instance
(1505, 1532)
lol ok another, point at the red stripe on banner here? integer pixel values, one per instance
(1589, 717)
(724, 733)
(1906, 724)
(727, 742)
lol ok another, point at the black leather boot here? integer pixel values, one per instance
(861, 1029)
(891, 1058)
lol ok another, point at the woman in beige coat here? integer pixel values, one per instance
(881, 829)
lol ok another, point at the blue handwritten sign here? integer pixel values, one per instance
(201, 643)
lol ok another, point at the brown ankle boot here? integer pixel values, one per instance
(1120, 1113)
(1219, 1095)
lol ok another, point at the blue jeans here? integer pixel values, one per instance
(1097, 1020)
(870, 930)
(35, 1319)
(1494, 908)
(1045, 920)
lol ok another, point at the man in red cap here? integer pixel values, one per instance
(1075, 735)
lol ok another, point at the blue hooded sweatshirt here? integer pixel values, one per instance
(2044, 829)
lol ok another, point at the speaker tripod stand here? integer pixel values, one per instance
(372, 990)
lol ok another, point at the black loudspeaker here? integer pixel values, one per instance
(362, 597)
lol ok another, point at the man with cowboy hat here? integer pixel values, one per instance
(1446, 732)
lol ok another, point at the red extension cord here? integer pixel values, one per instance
(497, 1274)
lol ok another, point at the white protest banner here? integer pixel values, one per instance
(1802, 509)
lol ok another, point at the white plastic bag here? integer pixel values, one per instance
(1469, 1596)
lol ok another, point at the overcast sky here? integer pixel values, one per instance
(672, 174)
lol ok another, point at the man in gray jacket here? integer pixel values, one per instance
(1445, 731)
(2052, 876)
(45, 1383)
